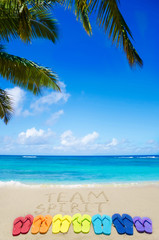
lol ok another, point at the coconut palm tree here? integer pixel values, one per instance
(30, 19)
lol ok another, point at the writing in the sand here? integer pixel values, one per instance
(64, 203)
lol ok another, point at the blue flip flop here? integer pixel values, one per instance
(118, 223)
(107, 224)
(97, 224)
(128, 222)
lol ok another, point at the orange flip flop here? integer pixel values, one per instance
(46, 222)
(36, 224)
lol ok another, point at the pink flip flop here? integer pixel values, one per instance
(17, 224)
(27, 222)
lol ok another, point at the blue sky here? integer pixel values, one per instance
(105, 106)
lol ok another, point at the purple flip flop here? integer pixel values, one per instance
(138, 222)
(147, 223)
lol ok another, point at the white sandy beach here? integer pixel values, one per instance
(141, 200)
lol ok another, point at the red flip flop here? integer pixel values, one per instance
(17, 224)
(27, 222)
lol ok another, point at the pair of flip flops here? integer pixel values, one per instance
(22, 225)
(123, 224)
(41, 224)
(102, 224)
(61, 224)
(81, 223)
(143, 224)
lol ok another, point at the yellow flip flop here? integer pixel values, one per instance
(86, 223)
(76, 221)
(36, 224)
(66, 222)
(46, 222)
(56, 223)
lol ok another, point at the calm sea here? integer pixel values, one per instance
(78, 169)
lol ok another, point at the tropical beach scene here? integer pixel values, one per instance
(79, 110)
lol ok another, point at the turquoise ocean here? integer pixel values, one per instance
(78, 169)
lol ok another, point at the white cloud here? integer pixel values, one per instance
(54, 117)
(17, 95)
(89, 138)
(33, 136)
(68, 139)
(52, 98)
(114, 142)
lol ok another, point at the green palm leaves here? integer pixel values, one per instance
(31, 19)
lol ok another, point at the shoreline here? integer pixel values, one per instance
(12, 183)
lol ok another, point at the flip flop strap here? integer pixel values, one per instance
(18, 222)
(137, 220)
(96, 219)
(86, 219)
(78, 219)
(128, 219)
(106, 218)
(66, 220)
(147, 222)
(27, 220)
(119, 221)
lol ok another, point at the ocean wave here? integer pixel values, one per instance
(17, 184)
(29, 156)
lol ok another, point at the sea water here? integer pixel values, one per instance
(78, 169)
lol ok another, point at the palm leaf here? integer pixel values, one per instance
(110, 18)
(6, 109)
(28, 23)
(27, 74)
(43, 25)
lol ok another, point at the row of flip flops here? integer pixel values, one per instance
(101, 224)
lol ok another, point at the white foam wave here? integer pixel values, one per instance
(17, 184)
(29, 156)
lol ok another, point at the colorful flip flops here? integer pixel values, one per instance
(22, 225)
(61, 224)
(128, 223)
(138, 222)
(107, 224)
(118, 223)
(86, 223)
(65, 223)
(17, 225)
(56, 223)
(97, 224)
(45, 224)
(76, 221)
(143, 224)
(147, 225)
(36, 224)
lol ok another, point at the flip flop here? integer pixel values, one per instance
(36, 224)
(138, 222)
(27, 222)
(147, 223)
(17, 224)
(107, 224)
(56, 223)
(86, 223)
(46, 222)
(76, 221)
(97, 224)
(128, 222)
(118, 223)
(66, 222)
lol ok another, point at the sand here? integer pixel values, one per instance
(140, 200)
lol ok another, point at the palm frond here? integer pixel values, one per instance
(110, 18)
(43, 24)
(26, 22)
(81, 11)
(6, 109)
(27, 74)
